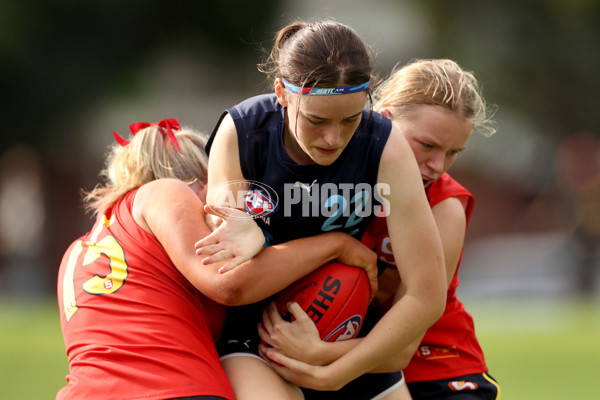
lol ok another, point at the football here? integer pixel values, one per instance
(335, 296)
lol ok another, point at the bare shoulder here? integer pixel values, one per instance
(161, 197)
(397, 151)
(451, 208)
(227, 130)
(162, 188)
(398, 166)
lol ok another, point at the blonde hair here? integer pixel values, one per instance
(439, 82)
(150, 155)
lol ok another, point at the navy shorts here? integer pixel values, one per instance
(365, 387)
(240, 335)
(468, 387)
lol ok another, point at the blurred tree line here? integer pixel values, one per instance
(538, 57)
(58, 55)
(543, 55)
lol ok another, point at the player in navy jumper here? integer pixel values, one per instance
(436, 105)
(312, 160)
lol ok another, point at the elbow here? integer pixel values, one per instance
(433, 305)
(228, 293)
(438, 296)
(438, 307)
(399, 363)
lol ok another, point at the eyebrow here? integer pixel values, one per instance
(315, 116)
(458, 149)
(437, 144)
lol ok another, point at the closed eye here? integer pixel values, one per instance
(315, 122)
(453, 153)
(352, 120)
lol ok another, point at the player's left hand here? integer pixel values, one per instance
(237, 237)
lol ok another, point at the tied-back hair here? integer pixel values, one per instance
(148, 156)
(438, 82)
(319, 54)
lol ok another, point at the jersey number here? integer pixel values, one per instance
(340, 201)
(96, 285)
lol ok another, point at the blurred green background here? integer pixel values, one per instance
(72, 72)
(536, 350)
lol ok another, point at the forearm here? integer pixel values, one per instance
(327, 353)
(400, 360)
(398, 329)
(278, 266)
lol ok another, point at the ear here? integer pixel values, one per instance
(386, 113)
(280, 92)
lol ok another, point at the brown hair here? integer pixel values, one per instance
(438, 82)
(319, 54)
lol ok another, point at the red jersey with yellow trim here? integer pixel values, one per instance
(133, 326)
(449, 347)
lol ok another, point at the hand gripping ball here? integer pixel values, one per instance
(335, 296)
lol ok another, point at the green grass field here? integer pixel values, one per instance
(33, 363)
(543, 349)
(536, 349)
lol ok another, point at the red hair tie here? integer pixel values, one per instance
(165, 126)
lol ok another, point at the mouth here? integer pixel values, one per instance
(326, 152)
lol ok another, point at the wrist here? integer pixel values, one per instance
(336, 242)
(320, 355)
(344, 243)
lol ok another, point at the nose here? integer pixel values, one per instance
(333, 136)
(436, 163)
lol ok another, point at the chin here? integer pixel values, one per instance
(325, 160)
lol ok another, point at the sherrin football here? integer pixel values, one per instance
(335, 296)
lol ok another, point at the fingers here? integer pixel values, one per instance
(265, 329)
(374, 287)
(297, 312)
(210, 249)
(372, 272)
(272, 316)
(207, 241)
(270, 319)
(269, 353)
(266, 318)
(264, 335)
(236, 261)
(262, 351)
(281, 363)
(221, 255)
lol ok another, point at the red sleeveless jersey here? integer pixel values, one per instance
(133, 326)
(449, 347)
